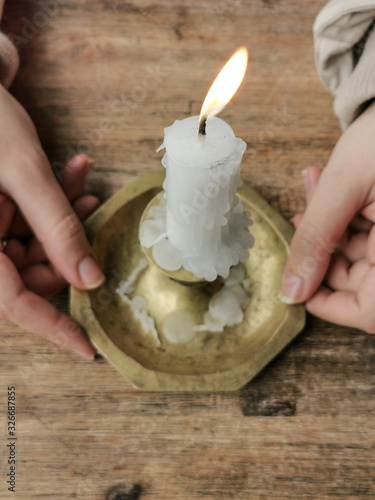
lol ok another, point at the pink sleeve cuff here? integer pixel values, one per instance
(9, 61)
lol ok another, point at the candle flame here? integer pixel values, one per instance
(224, 87)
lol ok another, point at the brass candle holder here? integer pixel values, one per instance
(220, 361)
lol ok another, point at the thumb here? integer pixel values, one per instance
(55, 224)
(331, 208)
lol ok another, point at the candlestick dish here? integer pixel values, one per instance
(211, 361)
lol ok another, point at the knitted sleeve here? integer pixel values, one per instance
(344, 37)
(9, 60)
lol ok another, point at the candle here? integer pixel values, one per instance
(202, 176)
(205, 228)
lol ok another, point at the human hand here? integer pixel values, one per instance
(46, 245)
(335, 237)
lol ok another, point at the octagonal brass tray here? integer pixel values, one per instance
(211, 361)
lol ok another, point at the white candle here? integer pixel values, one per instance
(202, 176)
(205, 228)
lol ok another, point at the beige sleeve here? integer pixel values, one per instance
(345, 55)
(9, 61)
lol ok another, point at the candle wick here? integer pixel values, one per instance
(202, 126)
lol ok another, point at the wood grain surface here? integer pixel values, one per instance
(105, 77)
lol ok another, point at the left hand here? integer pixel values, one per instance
(28, 276)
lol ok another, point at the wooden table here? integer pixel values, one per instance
(105, 77)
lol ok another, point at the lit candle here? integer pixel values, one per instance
(206, 225)
(202, 176)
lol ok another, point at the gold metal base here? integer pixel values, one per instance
(211, 361)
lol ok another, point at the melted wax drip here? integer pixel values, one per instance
(208, 264)
(138, 304)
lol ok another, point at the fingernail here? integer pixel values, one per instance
(85, 353)
(292, 287)
(90, 273)
(75, 162)
(286, 300)
(79, 160)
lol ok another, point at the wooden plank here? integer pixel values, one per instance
(304, 428)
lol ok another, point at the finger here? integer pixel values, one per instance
(25, 255)
(369, 212)
(74, 176)
(72, 183)
(342, 275)
(37, 315)
(85, 205)
(311, 176)
(347, 308)
(353, 246)
(336, 307)
(55, 224)
(296, 220)
(43, 280)
(327, 215)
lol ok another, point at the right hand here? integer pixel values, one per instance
(36, 209)
(331, 265)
